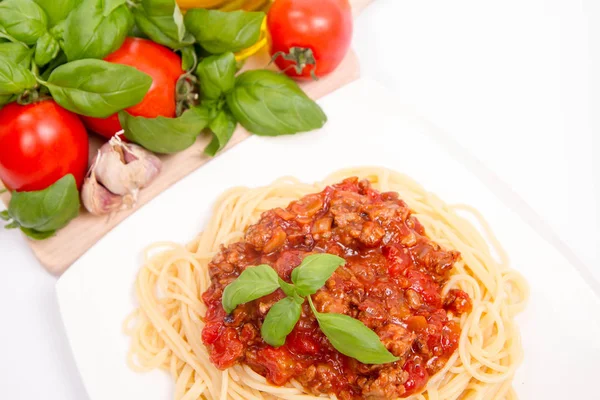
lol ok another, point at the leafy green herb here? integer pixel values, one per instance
(253, 283)
(14, 78)
(219, 32)
(351, 337)
(272, 104)
(314, 271)
(347, 335)
(280, 321)
(24, 20)
(88, 33)
(17, 53)
(162, 21)
(217, 75)
(41, 213)
(188, 58)
(290, 291)
(110, 6)
(97, 88)
(222, 128)
(57, 10)
(46, 49)
(166, 135)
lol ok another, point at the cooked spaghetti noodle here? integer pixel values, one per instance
(166, 329)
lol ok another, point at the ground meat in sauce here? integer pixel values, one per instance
(391, 282)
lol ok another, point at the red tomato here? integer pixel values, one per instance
(324, 26)
(162, 65)
(39, 144)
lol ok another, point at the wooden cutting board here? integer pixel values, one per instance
(57, 253)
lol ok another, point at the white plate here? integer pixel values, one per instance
(561, 327)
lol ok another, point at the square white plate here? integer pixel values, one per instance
(560, 328)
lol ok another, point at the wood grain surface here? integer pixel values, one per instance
(56, 254)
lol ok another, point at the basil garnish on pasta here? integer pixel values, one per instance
(347, 335)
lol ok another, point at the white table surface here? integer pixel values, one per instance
(516, 83)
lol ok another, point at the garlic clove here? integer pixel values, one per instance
(97, 199)
(124, 168)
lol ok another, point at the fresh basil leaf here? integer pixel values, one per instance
(219, 32)
(57, 10)
(97, 88)
(166, 135)
(4, 215)
(216, 75)
(162, 21)
(280, 321)
(351, 337)
(110, 6)
(253, 283)
(46, 210)
(24, 20)
(46, 49)
(90, 34)
(313, 272)
(188, 58)
(271, 104)
(17, 53)
(37, 235)
(14, 78)
(222, 128)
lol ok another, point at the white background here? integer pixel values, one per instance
(517, 83)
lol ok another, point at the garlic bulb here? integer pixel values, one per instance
(116, 176)
(125, 168)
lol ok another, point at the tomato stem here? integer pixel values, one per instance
(301, 57)
(186, 88)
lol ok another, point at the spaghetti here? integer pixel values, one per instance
(166, 329)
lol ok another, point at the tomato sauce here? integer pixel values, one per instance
(391, 282)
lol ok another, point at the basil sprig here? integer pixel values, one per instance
(271, 104)
(347, 335)
(162, 21)
(41, 213)
(95, 29)
(23, 20)
(219, 32)
(97, 88)
(353, 338)
(166, 135)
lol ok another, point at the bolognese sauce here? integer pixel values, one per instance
(392, 282)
